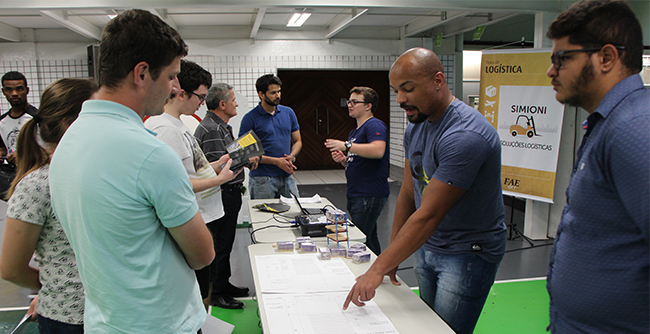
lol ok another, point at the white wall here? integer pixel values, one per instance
(237, 62)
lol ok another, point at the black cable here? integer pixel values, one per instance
(283, 216)
(288, 221)
(524, 248)
(252, 233)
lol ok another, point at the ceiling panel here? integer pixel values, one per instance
(233, 19)
(332, 19)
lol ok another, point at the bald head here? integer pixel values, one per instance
(418, 80)
(420, 60)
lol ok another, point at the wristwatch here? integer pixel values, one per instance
(348, 145)
(294, 157)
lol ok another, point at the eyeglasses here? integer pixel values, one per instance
(201, 97)
(558, 56)
(354, 102)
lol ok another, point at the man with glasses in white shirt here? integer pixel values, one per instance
(206, 177)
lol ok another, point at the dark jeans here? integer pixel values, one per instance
(364, 212)
(224, 236)
(49, 326)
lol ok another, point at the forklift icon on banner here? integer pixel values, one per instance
(528, 131)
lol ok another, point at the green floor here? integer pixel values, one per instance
(515, 307)
(512, 307)
(10, 319)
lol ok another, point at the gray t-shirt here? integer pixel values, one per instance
(61, 296)
(462, 149)
(176, 134)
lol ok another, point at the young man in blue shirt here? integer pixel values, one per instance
(277, 127)
(366, 164)
(598, 276)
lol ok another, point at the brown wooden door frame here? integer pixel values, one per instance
(315, 96)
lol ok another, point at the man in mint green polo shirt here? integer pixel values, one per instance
(123, 196)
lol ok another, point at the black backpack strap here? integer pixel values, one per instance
(31, 110)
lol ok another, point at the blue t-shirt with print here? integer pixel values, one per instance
(368, 177)
(462, 149)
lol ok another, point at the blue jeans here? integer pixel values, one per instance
(49, 326)
(455, 286)
(364, 212)
(263, 187)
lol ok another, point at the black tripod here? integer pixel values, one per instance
(512, 227)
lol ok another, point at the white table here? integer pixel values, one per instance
(407, 312)
(260, 219)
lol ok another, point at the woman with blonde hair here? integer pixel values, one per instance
(31, 225)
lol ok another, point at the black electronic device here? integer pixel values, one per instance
(307, 211)
(311, 228)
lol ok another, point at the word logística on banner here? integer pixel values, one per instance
(516, 96)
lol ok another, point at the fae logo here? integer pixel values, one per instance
(511, 183)
(491, 91)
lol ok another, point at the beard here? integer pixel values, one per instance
(416, 118)
(581, 95)
(270, 102)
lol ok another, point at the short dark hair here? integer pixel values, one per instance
(134, 36)
(369, 96)
(192, 76)
(14, 75)
(594, 23)
(217, 93)
(265, 81)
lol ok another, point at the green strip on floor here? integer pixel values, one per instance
(246, 320)
(10, 319)
(515, 308)
(511, 308)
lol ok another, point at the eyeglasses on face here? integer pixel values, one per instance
(354, 102)
(558, 56)
(201, 97)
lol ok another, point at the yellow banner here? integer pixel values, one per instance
(517, 98)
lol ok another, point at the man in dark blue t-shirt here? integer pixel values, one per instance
(449, 210)
(277, 128)
(366, 164)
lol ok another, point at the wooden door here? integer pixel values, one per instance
(318, 98)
